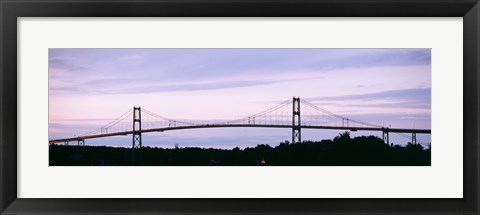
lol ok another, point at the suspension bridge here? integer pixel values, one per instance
(296, 114)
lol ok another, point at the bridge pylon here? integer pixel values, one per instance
(296, 125)
(136, 134)
(386, 136)
(137, 128)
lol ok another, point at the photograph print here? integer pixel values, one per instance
(239, 107)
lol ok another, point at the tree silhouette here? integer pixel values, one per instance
(343, 150)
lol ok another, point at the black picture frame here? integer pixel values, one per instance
(10, 10)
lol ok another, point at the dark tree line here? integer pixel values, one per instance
(341, 151)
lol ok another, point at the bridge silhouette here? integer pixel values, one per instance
(296, 114)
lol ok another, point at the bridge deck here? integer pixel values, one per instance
(391, 130)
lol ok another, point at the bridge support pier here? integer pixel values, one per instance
(414, 138)
(81, 142)
(386, 137)
(296, 125)
(136, 135)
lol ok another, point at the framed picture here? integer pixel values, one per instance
(239, 107)
(320, 134)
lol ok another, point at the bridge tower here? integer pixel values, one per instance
(136, 135)
(137, 128)
(296, 126)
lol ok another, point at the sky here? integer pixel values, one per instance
(88, 88)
